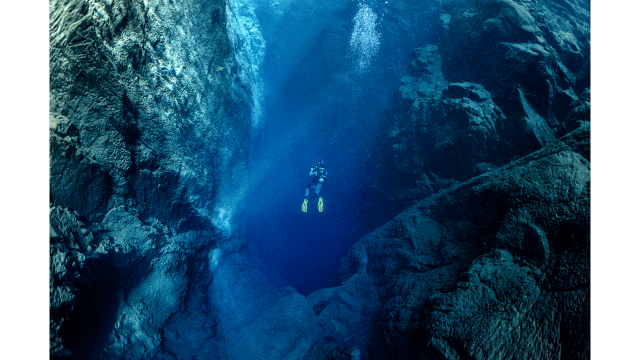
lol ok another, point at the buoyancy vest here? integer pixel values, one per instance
(320, 175)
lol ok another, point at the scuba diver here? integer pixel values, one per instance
(318, 177)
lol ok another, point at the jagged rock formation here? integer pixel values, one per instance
(493, 268)
(149, 120)
(501, 81)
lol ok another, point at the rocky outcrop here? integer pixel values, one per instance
(503, 79)
(543, 44)
(150, 122)
(495, 267)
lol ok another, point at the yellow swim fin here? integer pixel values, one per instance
(320, 205)
(304, 205)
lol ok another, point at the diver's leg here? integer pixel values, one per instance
(320, 202)
(306, 199)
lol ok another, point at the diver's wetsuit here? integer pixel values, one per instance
(319, 175)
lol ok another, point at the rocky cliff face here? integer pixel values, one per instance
(494, 263)
(495, 267)
(483, 160)
(149, 123)
(504, 79)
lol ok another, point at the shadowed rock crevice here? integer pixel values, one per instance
(94, 315)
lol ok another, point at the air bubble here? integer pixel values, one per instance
(365, 39)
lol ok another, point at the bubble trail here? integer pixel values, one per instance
(365, 39)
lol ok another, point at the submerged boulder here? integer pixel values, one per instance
(495, 267)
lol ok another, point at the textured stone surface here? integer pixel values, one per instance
(495, 267)
(256, 319)
(150, 118)
(143, 96)
(542, 44)
(501, 79)
(347, 315)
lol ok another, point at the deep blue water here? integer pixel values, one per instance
(324, 99)
(303, 248)
(302, 128)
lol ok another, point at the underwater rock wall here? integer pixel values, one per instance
(248, 43)
(502, 79)
(149, 119)
(497, 267)
(485, 256)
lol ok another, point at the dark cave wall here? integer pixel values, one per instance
(504, 78)
(148, 120)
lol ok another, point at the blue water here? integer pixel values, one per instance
(304, 248)
(324, 100)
